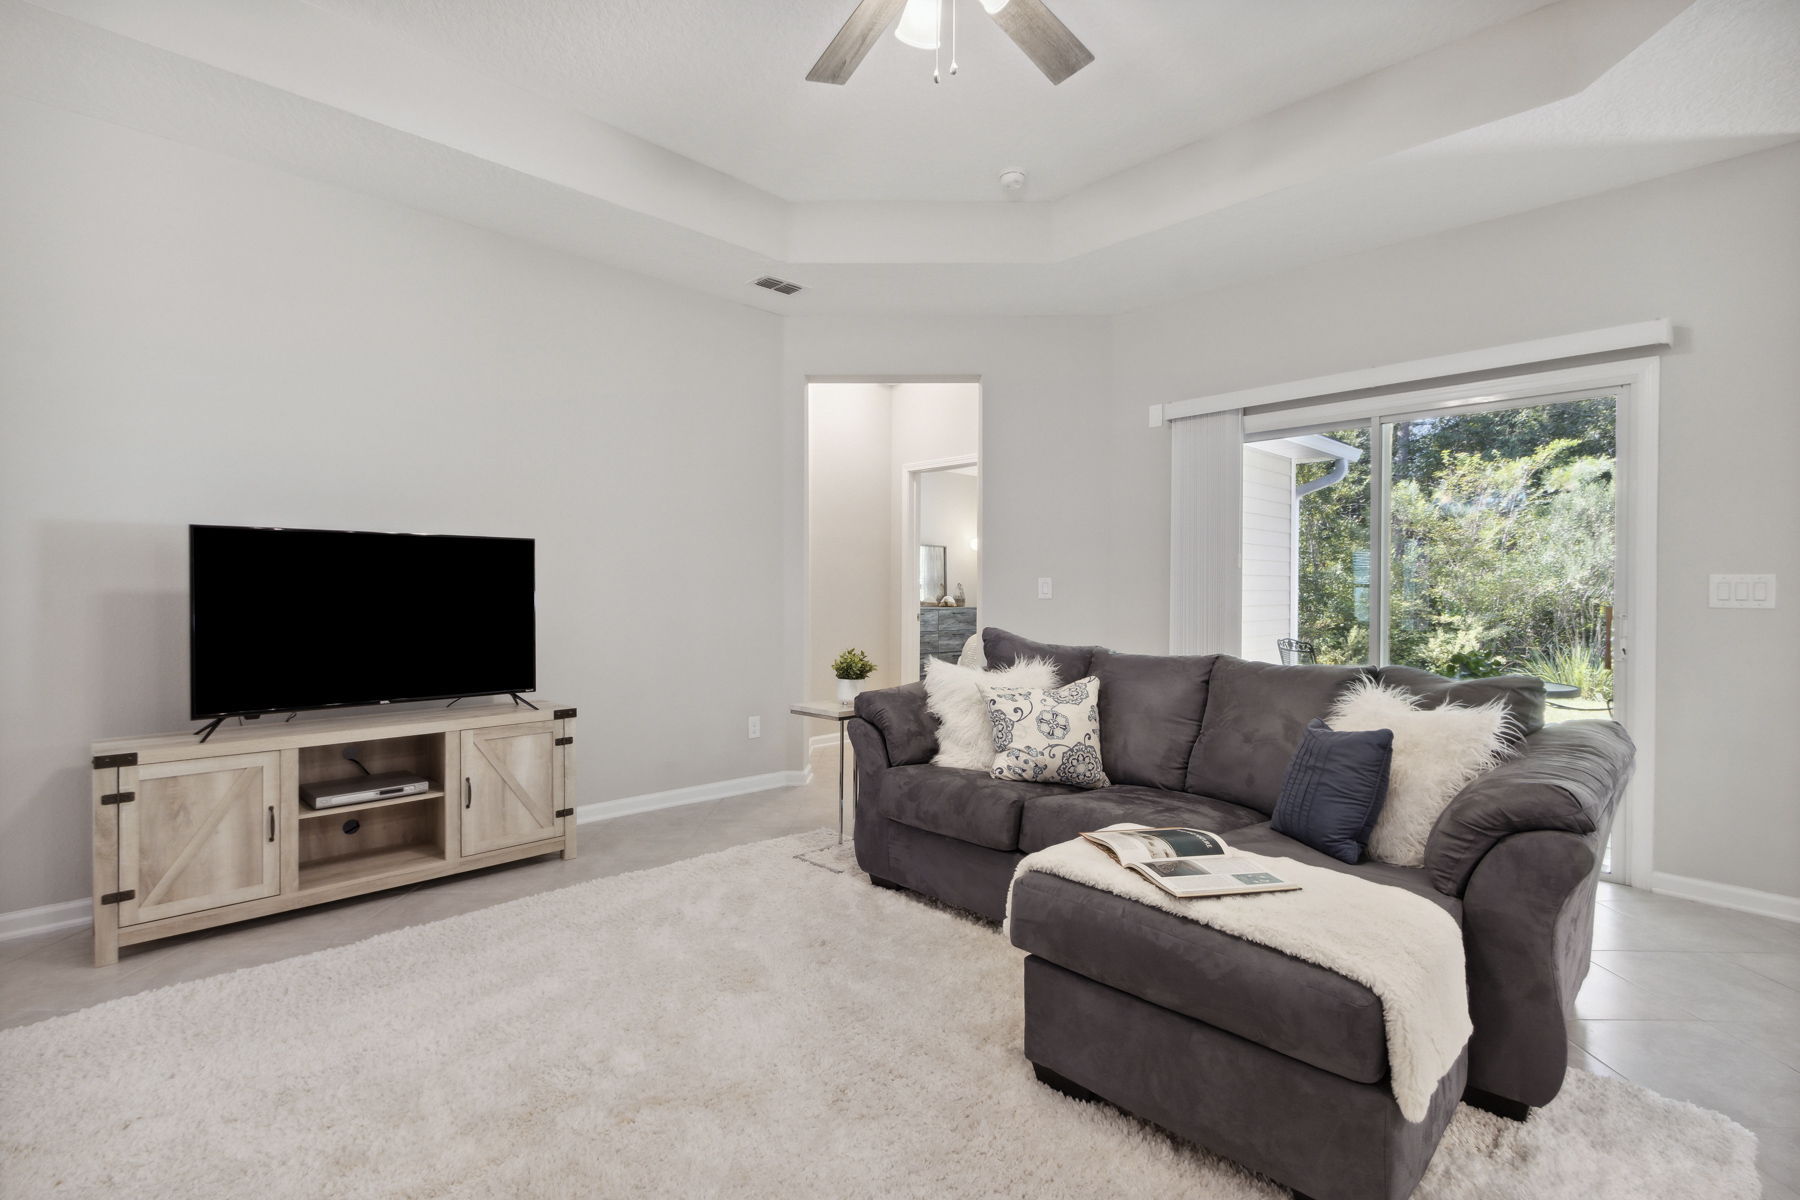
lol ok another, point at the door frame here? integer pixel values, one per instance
(908, 594)
(1636, 432)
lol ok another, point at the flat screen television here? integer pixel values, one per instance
(282, 620)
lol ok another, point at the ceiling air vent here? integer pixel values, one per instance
(777, 285)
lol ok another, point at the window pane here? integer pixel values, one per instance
(1501, 547)
(1333, 560)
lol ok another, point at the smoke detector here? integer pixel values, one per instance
(1012, 181)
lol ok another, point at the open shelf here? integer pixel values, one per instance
(307, 814)
(371, 864)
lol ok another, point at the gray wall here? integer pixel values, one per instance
(210, 340)
(194, 338)
(1717, 250)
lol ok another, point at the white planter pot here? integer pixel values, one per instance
(847, 689)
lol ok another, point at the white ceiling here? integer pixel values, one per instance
(724, 82)
(500, 113)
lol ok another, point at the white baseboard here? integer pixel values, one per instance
(1727, 895)
(651, 801)
(44, 919)
(822, 741)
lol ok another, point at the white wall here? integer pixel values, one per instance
(1268, 553)
(850, 567)
(193, 338)
(1718, 251)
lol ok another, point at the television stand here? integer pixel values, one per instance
(193, 835)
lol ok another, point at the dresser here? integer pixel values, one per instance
(942, 632)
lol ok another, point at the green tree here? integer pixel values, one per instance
(1500, 535)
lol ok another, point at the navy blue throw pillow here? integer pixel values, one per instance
(1334, 790)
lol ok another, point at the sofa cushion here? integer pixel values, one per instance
(1262, 839)
(1151, 706)
(1293, 1007)
(1255, 715)
(1334, 790)
(971, 806)
(1523, 695)
(1003, 649)
(953, 694)
(1058, 816)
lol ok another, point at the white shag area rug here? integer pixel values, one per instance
(755, 1023)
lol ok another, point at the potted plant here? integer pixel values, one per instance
(851, 668)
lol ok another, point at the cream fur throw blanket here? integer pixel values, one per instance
(1402, 947)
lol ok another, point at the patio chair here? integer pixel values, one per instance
(1296, 650)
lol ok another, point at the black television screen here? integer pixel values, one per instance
(289, 619)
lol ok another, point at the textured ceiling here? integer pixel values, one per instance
(723, 81)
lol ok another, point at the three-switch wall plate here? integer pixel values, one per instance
(1742, 591)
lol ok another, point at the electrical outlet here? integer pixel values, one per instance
(1741, 591)
(1043, 587)
(755, 727)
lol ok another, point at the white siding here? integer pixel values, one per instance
(1268, 553)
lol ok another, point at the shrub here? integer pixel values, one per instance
(1578, 666)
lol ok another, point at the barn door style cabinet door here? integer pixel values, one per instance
(512, 787)
(199, 835)
(189, 835)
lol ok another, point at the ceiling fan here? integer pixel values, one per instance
(1045, 40)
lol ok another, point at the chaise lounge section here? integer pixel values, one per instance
(1206, 741)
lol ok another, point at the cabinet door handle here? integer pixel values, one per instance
(468, 792)
(271, 822)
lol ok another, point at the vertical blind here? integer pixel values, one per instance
(1207, 531)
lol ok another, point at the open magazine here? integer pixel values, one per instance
(1186, 862)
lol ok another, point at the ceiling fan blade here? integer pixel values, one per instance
(1045, 40)
(854, 41)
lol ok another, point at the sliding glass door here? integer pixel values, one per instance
(1463, 534)
(1466, 541)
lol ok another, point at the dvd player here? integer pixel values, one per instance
(361, 788)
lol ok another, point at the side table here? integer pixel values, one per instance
(827, 710)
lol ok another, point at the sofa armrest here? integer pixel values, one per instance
(1566, 778)
(908, 730)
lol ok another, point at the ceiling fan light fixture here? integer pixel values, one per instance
(919, 23)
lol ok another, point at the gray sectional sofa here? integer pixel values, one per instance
(1206, 741)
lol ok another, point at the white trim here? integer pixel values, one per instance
(1636, 437)
(1528, 388)
(1727, 895)
(822, 741)
(1637, 336)
(625, 806)
(46, 918)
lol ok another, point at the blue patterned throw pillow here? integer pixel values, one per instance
(1047, 735)
(1334, 790)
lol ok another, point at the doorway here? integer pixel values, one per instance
(889, 462)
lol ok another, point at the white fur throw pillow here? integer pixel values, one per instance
(1436, 752)
(953, 695)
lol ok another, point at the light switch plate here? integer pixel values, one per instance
(1043, 587)
(1741, 591)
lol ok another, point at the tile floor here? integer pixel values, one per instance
(1695, 1002)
